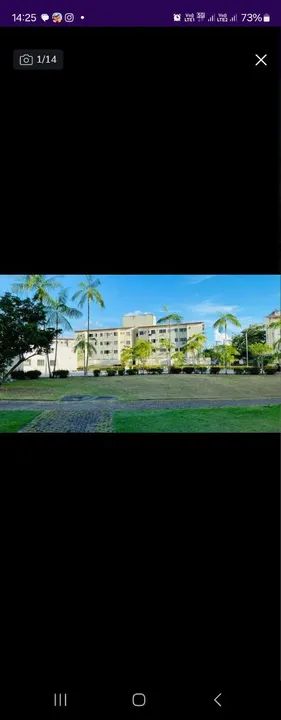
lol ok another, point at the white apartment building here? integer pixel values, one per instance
(109, 343)
(272, 334)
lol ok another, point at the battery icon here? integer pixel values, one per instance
(266, 17)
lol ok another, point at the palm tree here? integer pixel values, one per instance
(58, 314)
(222, 323)
(195, 344)
(82, 346)
(41, 285)
(88, 293)
(170, 318)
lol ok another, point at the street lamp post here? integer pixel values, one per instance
(247, 349)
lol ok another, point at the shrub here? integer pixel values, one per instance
(201, 369)
(252, 370)
(188, 369)
(110, 371)
(121, 371)
(175, 370)
(215, 369)
(132, 371)
(239, 369)
(33, 374)
(155, 369)
(61, 373)
(18, 375)
(96, 372)
(271, 369)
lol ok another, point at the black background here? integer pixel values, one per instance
(142, 562)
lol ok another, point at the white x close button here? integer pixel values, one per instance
(261, 60)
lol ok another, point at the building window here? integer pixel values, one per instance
(101, 342)
(106, 352)
(128, 342)
(162, 331)
(182, 329)
(101, 352)
(128, 333)
(115, 334)
(107, 343)
(115, 342)
(52, 362)
(141, 332)
(115, 352)
(28, 362)
(101, 334)
(41, 363)
(152, 332)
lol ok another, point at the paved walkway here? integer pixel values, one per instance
(95, 415)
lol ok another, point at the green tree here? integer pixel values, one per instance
(169, 319)
(255, 334)
(178, 359)
(142, 351)
(58, 313)
(166, 344)
(127, 356)
(195, 345)
(41, 286)
(259, 351)
(88, 293)
(221, 324)
(225, 354)
(85, 348)
(23, 332)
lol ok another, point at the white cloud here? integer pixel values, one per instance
(199, 279)
(207, 307)
(137, 312)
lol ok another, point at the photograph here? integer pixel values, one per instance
(200, 354)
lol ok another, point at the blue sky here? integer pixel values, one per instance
(195, 297)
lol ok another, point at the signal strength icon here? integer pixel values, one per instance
(212, 18)
(233, 18)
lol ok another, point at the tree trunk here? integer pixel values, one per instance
(56, 346)
(47, 356)
(225, 370)
(170, 349)
(88, 333)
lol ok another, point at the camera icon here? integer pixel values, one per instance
(25, 59)
(69, 17)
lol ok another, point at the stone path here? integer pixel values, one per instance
(94, 415)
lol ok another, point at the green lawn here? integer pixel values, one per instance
(13, 420)
(213, 420)
(147, 387)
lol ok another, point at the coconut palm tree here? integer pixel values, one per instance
(41, 285)
(221, 324)
(195, 344)
(169, 319)
(88, 293)
(58, 313)
(87, 348)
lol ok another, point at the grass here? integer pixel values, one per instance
(147, 387)
(13, 420)
(218, 420)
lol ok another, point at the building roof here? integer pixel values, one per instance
(273, 313)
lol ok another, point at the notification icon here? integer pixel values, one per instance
(45, 17)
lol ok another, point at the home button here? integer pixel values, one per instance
(139, 700)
